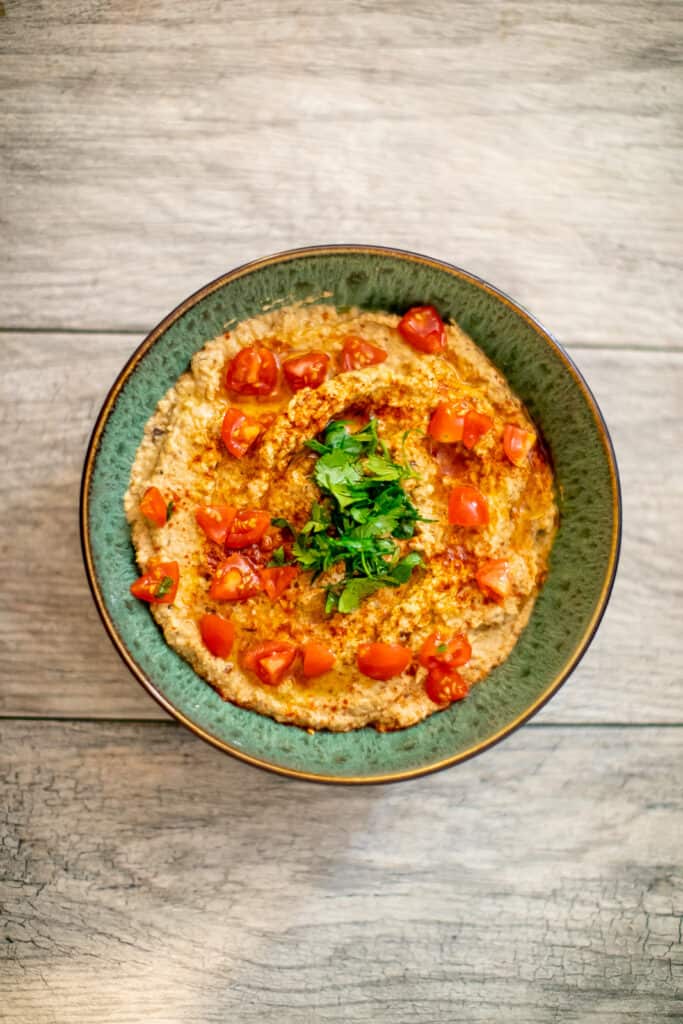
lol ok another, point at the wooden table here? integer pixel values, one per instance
(145, 149)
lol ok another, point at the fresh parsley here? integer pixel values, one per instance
(164, 587)
(362, 513)
(277, 558)
(170, 509)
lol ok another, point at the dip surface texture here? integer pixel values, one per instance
(183, 456)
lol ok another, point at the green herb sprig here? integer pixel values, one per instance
(362, 514)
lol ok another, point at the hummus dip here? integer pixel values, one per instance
(250, 604)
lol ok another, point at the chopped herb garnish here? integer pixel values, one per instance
(170, 509)
(277, 558)
(164, 587)
(362, 514)
(441, 648)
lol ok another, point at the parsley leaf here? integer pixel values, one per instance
(362, 513)
(170, 509)
(164, 587)
(277, 558)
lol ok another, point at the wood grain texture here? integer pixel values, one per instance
(145, 148)
(144, 877)
(51, 387)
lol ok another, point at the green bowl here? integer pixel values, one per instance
(583, 561)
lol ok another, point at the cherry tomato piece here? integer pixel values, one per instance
(493, 578)
(423, 328)
(517, 443)
(276, 579)
(436, 650)
(467, 506)
(253, 371)
(270, 661)
(239, 432)
(357, 354)
(445, 685)
(153, 506)
(383, 661)
(247, 528)
(448, 422)
(215, 521)
(476, 425)
(235, 579)
(159, 584)
(306, 371)
(218, 634)
(318, 659)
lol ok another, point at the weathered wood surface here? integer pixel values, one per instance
(55, 658)
(145, 877)
(146, 148)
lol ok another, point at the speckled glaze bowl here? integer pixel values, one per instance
(583, 561)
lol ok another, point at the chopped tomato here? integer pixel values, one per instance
(253, 371)
(318, 659)
(453, 653)
(159, 584)
(153, 506)
(493, 578)
(235, 579)
(215, 521)
(239, 432)
(276, 579)
(383, 661)
(445, 685)
(476, 425)
(448, 422)
(306, 371)
(247, 528)
(270, 661)
(218, 634)
(467, 506)
(357, 354)
(517, 443)
(423, 328)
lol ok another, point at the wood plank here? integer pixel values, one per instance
(51, 387)
(144, 876)
(147, 148)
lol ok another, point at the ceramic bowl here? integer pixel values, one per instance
(583, 561)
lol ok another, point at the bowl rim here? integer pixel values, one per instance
(147, 343)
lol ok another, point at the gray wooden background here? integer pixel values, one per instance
(145, 148)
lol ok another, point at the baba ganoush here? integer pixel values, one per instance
(342, 518)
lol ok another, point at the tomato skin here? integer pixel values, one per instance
(239, 432)
(307, 370)
(493, 579)
(276, 579)
(146, 587)
(423, 328)
(253, 371)
(235, 579)
(383, 661)
(270, 661)
(218, 634)
(153, 506)
(356, 354)
(448, 422)
(445, 685)
(318, 659)
(458, 651)
(476, 425)
(215, 521)
(517, 443)
(467, 506)
(247, 528)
